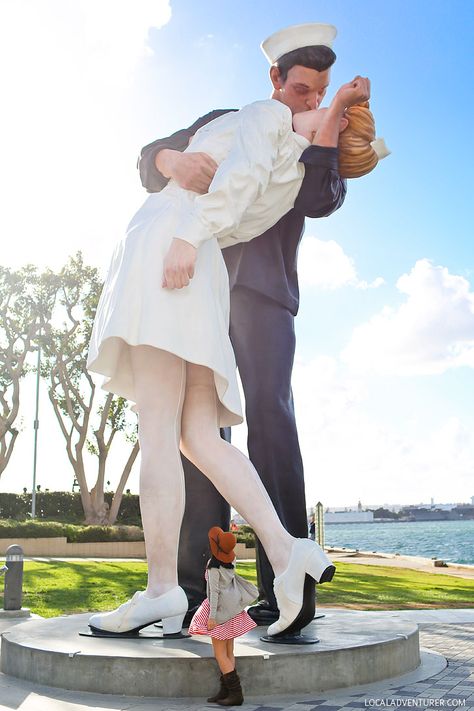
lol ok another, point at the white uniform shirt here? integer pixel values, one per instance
(258, 178)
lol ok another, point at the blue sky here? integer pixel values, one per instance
(384, 370)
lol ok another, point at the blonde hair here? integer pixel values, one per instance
(357, 155)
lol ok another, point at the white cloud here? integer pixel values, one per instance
(70, 123)
(431, 332)
(116, 34)
(324, 264)
(42, 42)
(322, 395)
(350, 453)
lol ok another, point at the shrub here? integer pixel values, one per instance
(246, 535)
(74, 533)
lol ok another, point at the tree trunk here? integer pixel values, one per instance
(117, 500)
(6, 449)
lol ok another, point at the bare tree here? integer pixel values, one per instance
(112, 420)
(72, 391)
(20, 320)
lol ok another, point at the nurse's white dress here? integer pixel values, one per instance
(257, 182)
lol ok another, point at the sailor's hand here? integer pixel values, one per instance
(211, 623)
(192, 171)
(178, 265)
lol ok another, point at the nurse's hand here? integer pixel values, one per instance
(354, 92)
(178, 266)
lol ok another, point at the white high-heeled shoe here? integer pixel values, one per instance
(308, 564)
(141, 611)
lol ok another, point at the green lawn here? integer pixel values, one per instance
(60, 587)
(374, 587)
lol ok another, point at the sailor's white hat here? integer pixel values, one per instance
(295, 37)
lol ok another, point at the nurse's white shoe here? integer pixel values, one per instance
(293, 589)
(141, 611)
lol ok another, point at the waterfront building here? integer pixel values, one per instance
(348, 517)
(457, 513)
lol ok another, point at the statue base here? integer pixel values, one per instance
(132, 635)
(354, 648)
(290, 639)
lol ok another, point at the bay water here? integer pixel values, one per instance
(450, 540)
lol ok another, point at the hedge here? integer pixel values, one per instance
(10, 528)
(63, 506)
(60, 513)
(246, 535)
(73, 533)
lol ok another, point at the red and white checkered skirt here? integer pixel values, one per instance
(235, 627)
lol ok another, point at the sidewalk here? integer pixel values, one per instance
(445, 678)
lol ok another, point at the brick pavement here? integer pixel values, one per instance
(451, 688)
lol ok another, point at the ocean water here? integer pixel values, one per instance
(450, 540)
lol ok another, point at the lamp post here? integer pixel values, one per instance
(36, 427)
(319, 521)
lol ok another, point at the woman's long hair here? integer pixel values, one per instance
(213, 562)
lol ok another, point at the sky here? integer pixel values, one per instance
(384, 370)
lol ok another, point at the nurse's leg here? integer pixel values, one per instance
(294, 560)
(230, 471)
(160, 380)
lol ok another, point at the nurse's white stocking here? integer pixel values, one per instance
(160, 381)
(230, 471)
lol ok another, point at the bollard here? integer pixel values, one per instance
(13, 578)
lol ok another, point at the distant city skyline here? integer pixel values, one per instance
(396, 507)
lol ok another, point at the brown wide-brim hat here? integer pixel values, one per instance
(222, 544)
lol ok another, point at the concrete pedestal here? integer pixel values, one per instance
(354, 648)
(7, 614)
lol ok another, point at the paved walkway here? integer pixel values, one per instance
(444, 680)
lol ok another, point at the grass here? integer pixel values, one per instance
(53, 588)
(374, 587)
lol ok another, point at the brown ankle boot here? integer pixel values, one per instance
(234, 696)
(221, 694)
